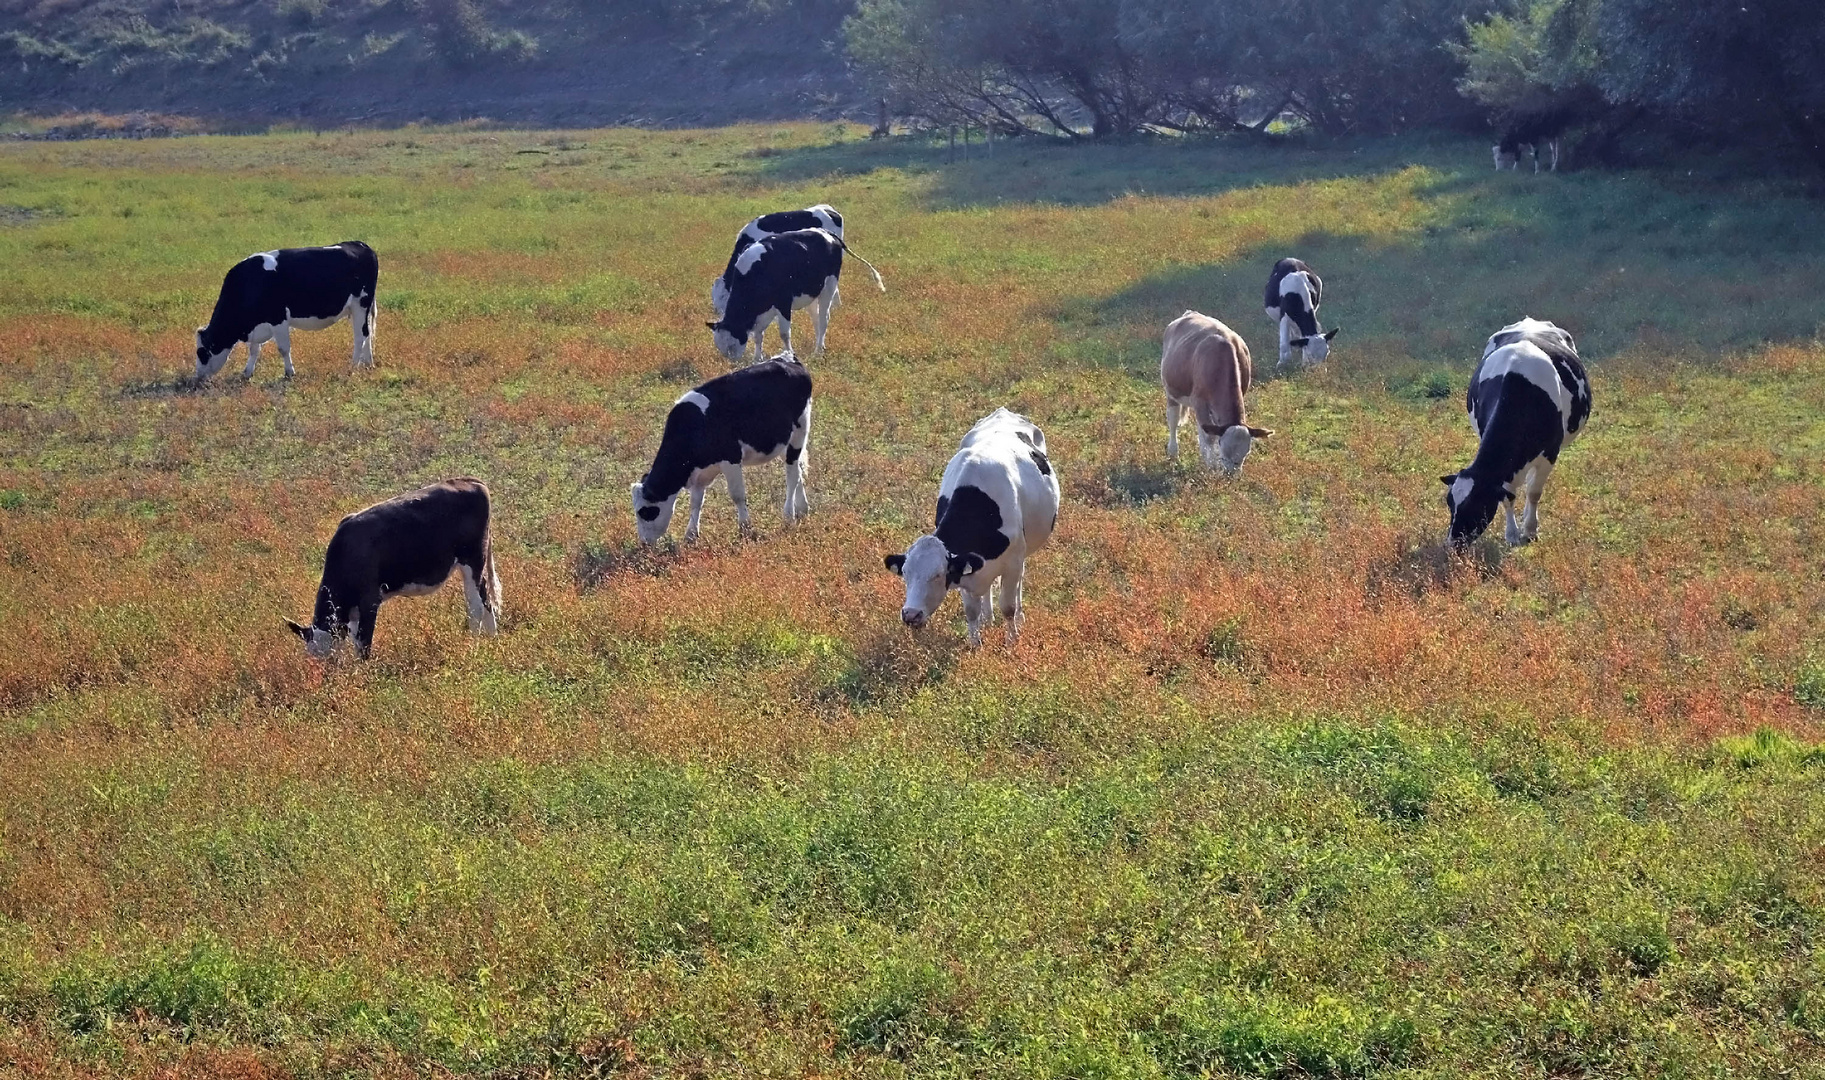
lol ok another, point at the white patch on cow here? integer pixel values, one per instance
(1525, 359)
(1459, 491)
(320, 643)
(719, 297)
(1233, 447)
(924, 572)
(730, 346)
(650, 531)
(415, 588)
(824, 213)
(692, 396)
(749, 256)
(321, 322)
(270, 259)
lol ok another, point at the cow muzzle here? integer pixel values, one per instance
(913, 617)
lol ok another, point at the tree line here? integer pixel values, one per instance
(1748, 72)
(1624, 73)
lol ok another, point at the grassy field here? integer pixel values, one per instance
(1267, 789)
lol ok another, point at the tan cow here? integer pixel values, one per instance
(1205, 369)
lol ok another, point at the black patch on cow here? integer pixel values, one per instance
(944, 502)
(969, 523)
(1272, 297)
(648, 513)
(793, 266)
(310, 283)
(1045, 465)
(958, 567)
(792, 454)
(415, 539)
(759, 405)
(773, 224)
(1024, 437)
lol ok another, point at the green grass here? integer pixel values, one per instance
(1269, 788)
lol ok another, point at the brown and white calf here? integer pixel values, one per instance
(405, 546)
(1205, 370)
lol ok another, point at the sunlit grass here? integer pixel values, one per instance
(1267, 789)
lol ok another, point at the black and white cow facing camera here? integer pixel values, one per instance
(1527, 400)
(405, 546)
(997, 504)
(1292, 298)
(747, 417)
(266, 296)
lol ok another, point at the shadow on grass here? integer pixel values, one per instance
(595, 563)
(1620, 267)
(170, 386)
(1033, 169)
(1421, 562)
(1132, 483)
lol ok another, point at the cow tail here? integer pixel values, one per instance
(865, 262)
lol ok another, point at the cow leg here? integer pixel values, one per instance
(1533, 489)
(1175, 415)
(1511, 531)
(738, 493)
(690, 529)
(281, 337)
(361, 625)
(785, 334)
(798, 504)
(975, 615)
(1010, 598)
(820, 319)
(477, 580)
(364, 334)
(253, 357)
(1286, 340)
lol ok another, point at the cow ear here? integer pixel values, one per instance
(961, 566)
(1332, 332)
(709, 324)
(301, 631)
(896, 563)
(1448, 479)
(1260, 432)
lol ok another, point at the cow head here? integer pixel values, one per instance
(1505, 159)
(318, 643)
(1472, 502)
(652, 517)
(730, 346)
(1316, 347)
(930, 572)
(1227, 449)
(208, 359)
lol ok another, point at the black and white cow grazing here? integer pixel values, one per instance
(746, 417)
(405, 546)
(265, 296)
(822, 216)
(1528, 399)
(997, 504)
(1293, 295)
(777, 275)
(1536, 132)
